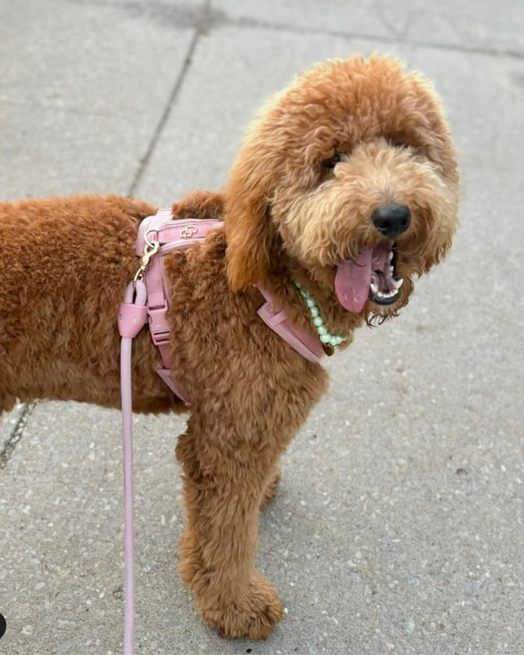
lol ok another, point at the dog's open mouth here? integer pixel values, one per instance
(372, 277)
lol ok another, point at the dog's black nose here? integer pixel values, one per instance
(391, 220)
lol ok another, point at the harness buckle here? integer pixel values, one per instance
(160, 338)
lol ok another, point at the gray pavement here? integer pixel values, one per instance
(398, 527)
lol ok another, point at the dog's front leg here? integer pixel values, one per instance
(227, 468)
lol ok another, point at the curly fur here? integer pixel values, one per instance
(66, 261)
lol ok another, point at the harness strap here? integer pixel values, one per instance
(301, 340)
(170, 235)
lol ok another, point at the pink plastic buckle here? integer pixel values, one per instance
(158, 324)
(160, 338)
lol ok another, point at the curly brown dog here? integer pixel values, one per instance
(345, 190)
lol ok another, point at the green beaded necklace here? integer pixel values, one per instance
(327, 339)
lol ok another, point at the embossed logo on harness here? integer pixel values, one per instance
(188, 231)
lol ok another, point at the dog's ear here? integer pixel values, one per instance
(250, 233)
(200, 204)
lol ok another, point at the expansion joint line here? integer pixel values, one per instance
(16, 434)
(200, 28)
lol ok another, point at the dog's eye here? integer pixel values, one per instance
(396, 142)
(329, 164)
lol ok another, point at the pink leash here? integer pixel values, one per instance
(131, 319)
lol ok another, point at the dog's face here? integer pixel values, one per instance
(350, 176)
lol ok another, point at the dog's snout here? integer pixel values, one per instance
(392, 220)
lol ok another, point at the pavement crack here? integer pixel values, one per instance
(258, 24)
(200, 28)
(10, 445)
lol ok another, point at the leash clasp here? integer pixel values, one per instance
(150, 249)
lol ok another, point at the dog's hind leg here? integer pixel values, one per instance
(225, 476)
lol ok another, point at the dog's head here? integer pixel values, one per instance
(347, 180)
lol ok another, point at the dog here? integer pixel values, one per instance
(344, 191)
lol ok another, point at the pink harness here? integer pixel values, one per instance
(159, 235)
(146, 297)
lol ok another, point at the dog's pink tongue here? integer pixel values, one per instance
(352, 281)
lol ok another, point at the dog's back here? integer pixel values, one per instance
(63, 267)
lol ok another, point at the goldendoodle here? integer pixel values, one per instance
(345, 190)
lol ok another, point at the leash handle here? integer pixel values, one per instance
(131, 319)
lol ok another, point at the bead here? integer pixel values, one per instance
(328, 340)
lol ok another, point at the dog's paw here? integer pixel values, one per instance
(253, 614)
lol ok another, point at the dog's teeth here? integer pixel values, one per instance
(390, 255)
(398, 283)
(391, 271)
(386, 295)
(374, 288)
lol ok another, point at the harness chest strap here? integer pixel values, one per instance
(302, 341)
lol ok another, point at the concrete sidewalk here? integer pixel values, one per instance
(398, 527)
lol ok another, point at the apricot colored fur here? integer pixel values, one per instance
(66, 261)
